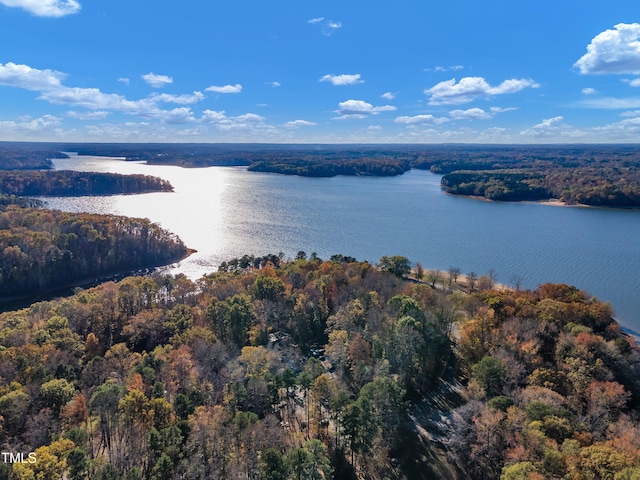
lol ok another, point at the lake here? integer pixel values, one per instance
(226, 212)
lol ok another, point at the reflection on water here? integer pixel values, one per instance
(226, 211)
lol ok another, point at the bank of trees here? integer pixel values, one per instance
(42, 249)
(305, 368)
(72, 183)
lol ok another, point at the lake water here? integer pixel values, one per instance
(225, 212)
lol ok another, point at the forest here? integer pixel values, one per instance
(276, 368)
(71, 183)
(595, 175)
(42, 249)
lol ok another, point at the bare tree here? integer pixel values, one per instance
(454, 273)
(434, 276)
(472, 277)
(517, 281)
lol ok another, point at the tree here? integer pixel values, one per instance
(454, 273)
(56, 393)
(397, 265)
(490, 373)
(272, 465)
(419, 271)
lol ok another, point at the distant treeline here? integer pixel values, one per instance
(601, 175)
(72, 183)
(25, 156)
(41, 249)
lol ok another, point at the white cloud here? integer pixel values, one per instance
(97, 115)
(49, 84)
(220, 118)
(635, 82)
(589, 91)
(38, 129)
(343, 79)
(468, 88)
(327, 27)
(45, 8)
(23, 76)
(157, 81)
(470, 114)
(613, 51)
(360, 109)
(237, 88)
(611, 103)
(478, 113)
(550, 122)
(274, 84)
(300, 123)
(389, 95)
(124, 80)
(177, 116)
(184, 99)
(440, 68)
(249, 117)
(423, 119)
(634, 114)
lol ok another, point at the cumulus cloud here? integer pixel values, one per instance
(237, 88)
(477, 113)
(184, 99)
(23, 76)
(635, 82)
(41, 128)
(613, 51)
(45, 8)
(246, 122)
(274, 84)
(343, 79)
(124, 80)
(470, 114)
(315, 20)
(470, 88)
(49, 85)
(360, 109)
(97, 115)
(300, 123)
(424, 119)
(589, 91)
(157, 81)
(388, 95)
(177, 116)
(549, 122)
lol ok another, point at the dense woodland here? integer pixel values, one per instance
(27, 156)
(72, 183)
(42, 249)
(312, 369)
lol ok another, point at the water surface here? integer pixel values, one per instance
(224, 212)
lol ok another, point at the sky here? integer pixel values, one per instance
(347, 71)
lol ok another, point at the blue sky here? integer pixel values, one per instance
(349, 71)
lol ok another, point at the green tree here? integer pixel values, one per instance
(490, 373)
(398, 265)
(272, 465)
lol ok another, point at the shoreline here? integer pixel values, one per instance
(24, 301)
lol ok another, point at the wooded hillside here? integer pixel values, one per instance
(309, 369)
